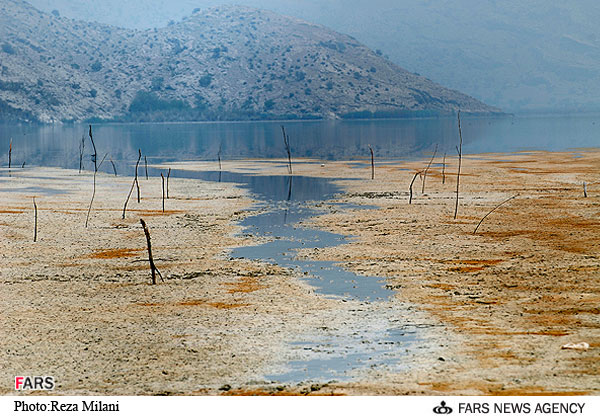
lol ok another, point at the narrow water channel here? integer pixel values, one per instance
(376, 333)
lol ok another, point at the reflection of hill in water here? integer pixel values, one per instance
(329, 140)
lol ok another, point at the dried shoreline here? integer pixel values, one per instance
(78, 305)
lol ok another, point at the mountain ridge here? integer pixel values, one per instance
(223, 63)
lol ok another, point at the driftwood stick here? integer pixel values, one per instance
(219, 155)
(10, 153)
(113, 166)
(153, 268)
(427, 169)
(286, 142)
(132, 185)
(497, 206)
(35, 216)
(23, 165)
(411, 185)
(372, 163)
(168, 175)
(584, 189)
(163, 191)
(81, 150)
(146, 164)
(459, 149)
(95, 160)
(444, 170)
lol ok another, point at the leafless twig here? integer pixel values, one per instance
(459, 149)
(497, 206)
(153, 268)
(427, 169)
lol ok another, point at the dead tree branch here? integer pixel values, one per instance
(146, 164)
(411, 185)
(427, 169)
(35, 216)
(497, 206)
(459, 149)
(132, 184)
(153, 268)
(163, 191)
(372, 163)
(444, 170)
(168, 175)
(81, 150)
(286, 142)
(95, 161)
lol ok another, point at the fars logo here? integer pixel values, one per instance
(34, 383)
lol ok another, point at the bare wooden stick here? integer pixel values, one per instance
(219, 155)
(95, 160)
(35, 216)
(168, 175)
(584, 189)
(81, 150)
(146, 164)
(497, 206)
(427, 169)
(132, 184)
(163, 191)
(10, 153)
(459, 164)
(286, 142)
(113, 166)
(372, 163)
(444, 170)
(153, 268)
(411, 185)
(23, 165)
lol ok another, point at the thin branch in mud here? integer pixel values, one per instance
(411, 185)
(168, 175)
(286, 142)
(584, 189)
(219, 155)
(35, 216)
(153, 268)
(372, 163)
(163, 191)
(146, 165)
(23, 165)
(81, 150)
(427, 169)
(459, 149)
(497, 206)
(132, 184)
(94, 159)
(10, 153)
(102, 160)
(113, 166)
(444, 170)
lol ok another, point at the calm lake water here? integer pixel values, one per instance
(58, 145)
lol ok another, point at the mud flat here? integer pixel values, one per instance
(515, 292)
(495, 307)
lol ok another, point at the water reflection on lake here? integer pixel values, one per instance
(58, 145)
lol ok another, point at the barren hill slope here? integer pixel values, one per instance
(223, 63)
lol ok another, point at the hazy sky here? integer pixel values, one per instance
(515, 54)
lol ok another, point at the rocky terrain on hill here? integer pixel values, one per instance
(223, 63)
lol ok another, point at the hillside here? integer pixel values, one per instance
(222, 63)
(514, 54)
